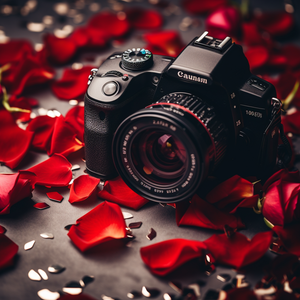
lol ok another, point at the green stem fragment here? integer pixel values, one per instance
(288, 100)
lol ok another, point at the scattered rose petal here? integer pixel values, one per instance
(103, 223)
(8, 250)
(200, 213)
(289, 237)
(164, 257)
(135, 225)
(75, 117)
(12, 190)
(2, 229)
(14, 142)
(82, 188)
(257, 56)
(223, 22)
(276, 23)
(41, 205)
(151, 235)
(73, 83)
(55, 196)
(164, 43)
(117, 191)
(55, 172)
(291, 122)
(238, 251)
(144, 18)
(202, 6)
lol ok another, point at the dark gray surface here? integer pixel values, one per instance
(117, 270)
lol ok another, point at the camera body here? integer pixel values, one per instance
(166, 124)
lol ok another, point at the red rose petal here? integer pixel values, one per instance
(2, 229)
(14, 141)
(203, 214)
(42, 127)
(109, 25)
(14, 50)
(59, 50)
(289, 236)
(292, 54)
(275, 23)
(231, 190)
(166, 42)
(73, 83)
(251, 34)
(291, 122)
(75, 117)
(117, 191)
(257, 56)
(41, 205)
(76, 297)
(238, 251)
(12, 189)
(103, 223)
(64, 139)
(202, 6)
(82, 188)
(55, 196)
(55, 171)
(164, 257)
(144, 18)
(8, 250)
(223, 22)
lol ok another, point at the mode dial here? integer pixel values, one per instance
(137, 59)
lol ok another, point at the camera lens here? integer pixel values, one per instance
(165, 151)
(159, 156)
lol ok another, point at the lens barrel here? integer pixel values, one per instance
(165, 151)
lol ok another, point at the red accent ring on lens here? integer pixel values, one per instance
(191, 113)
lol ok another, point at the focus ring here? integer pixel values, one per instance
(206, 114)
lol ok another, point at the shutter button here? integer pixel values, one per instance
(110, 88)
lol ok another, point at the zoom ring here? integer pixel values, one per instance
(206, 114)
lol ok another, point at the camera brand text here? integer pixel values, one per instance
(191, 77)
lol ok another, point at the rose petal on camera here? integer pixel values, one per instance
(164, 257)
(202, 6)
(238, 251)
(117, 191)
(55, 172)
(82, 188)
(14, 141)
(200, 213)
(73, 83)
(8, 250)
(144, 18)
(103, 223)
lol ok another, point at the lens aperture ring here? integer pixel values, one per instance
(207, 115)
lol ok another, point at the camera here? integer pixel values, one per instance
(167, 124)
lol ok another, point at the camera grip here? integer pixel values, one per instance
(100, 126)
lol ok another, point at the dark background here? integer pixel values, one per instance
(119, 269)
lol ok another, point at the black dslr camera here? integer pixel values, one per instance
(164, 124)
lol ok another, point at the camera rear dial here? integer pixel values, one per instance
(164, 152)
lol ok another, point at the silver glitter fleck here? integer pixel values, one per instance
(73, 102)
(150, 293)
(43, 274)
(53, 113)
(75, 167)
(151, 235)
(134, 294)
(224, 277)
(45, 294)
(35, 27)
(29, 245)
(33, 275)
(127, 215)
(55, 269)
(73, 288)
(196, 288)
(42, 111)
(72, 180)
(77, 66)
(264, 292)
(104, 297)
(47, 235)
